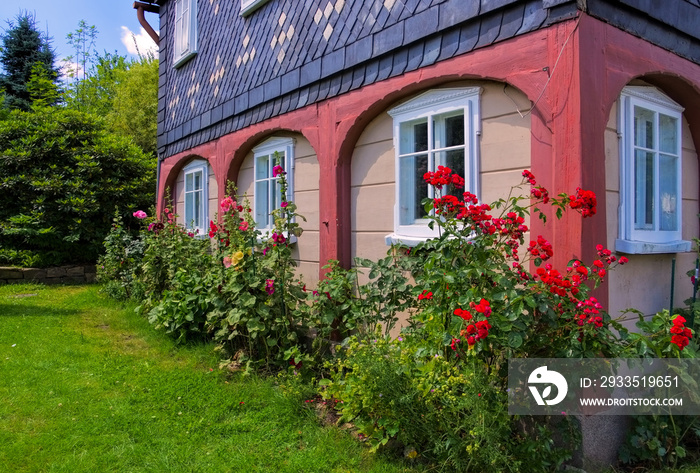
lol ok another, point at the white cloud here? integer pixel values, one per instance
(70, 69)
(140, 42)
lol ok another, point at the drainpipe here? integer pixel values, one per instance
(147, 7)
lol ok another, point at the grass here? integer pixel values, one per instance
(86, 385)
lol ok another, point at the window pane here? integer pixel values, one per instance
(262, 203)
(643, 127)
(412, 188)
(644, 190)
(198, 208)
(262, 167)
(668, 191)
(668, 128)
(198, 180)
(413, 136)
(448, 129)
(189, 208)
(189, 182)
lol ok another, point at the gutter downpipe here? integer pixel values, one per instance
(146, 7)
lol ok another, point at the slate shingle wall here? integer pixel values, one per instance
(291, 53)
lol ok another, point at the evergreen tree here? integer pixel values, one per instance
(23, 45)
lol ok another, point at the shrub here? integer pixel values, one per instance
(63, 176)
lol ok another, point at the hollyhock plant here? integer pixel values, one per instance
(140, 214)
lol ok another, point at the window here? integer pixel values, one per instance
(249, 6)
(185, 31)
(650, 172)
(267, 190)
(438, 128)
(196, 197)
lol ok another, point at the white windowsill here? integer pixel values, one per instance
(249, 6)
(643, 247)
(183, 59)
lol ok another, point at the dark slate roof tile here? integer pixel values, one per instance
(177, 133)
(324, 89)
(268, 110)
(333, 62)
(290, 81)
(396, 10)
(196, 123)
(415, 57)
(533, 17)
(490, 28)
(432, 51)
(313, 93)
(255, 116)
(411, 6)
(303, 97)
(400, 62)
(554, 3)
(468, 36)
(381, 20)
(355, 30)
(371, 72)
(450, 42)
(456, 11)
(285, 104)
(358, 78)
(161, 116)
(491, 5)
(273, 89)
(229, 108)
(368, 24)
(359, 51)
(385, 66)
(421, 25)
(187, 127)
(423, 5)
(241, 102)
(387, 39)
(512, 22)
(335, 83)
(310, 72)
(217, 113)
(256, 96)
(206, 119)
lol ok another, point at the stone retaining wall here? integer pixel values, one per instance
(58, 275)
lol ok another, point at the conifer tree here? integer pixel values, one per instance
(23, 45)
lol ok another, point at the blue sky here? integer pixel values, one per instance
(115, 21)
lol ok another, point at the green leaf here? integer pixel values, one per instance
(515, 339)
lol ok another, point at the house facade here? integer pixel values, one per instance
(360, 98)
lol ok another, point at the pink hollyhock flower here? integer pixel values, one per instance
(270, 286)
(277, 170)
(227, 261)
(284, 204)
(243, 226)
(140, 214)
(227, 204)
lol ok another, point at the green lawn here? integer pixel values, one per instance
(86, 385)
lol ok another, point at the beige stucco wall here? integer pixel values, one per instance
(645, 282)
(505, 152)
(306, 178)
(212, 187)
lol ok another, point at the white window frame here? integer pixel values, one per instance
(185, 31)
(427, 105)
(249, 6)
(268, 149)
(194, 167)
(653, 240)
